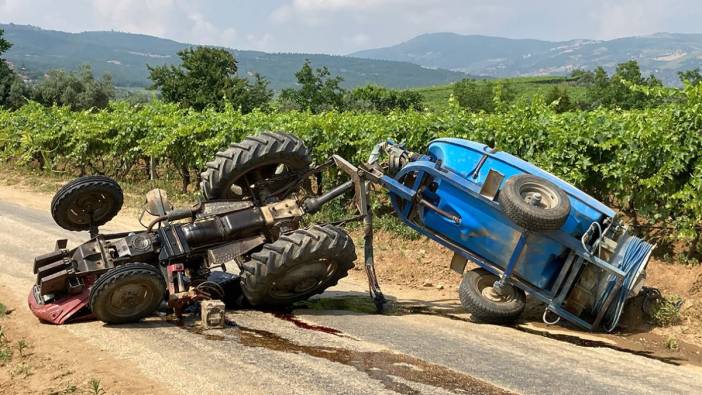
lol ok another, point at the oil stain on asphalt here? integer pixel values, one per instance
(384, 366)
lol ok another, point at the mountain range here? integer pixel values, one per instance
(662, 54)
(125, 56)
(426, 60)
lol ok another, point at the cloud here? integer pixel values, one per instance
(335, 5)
(343, 26)
(260, 42)
(316, 12)
(203, 31)
(177, 19)
(633, 17)
(153, 16)
(282, 14)
(360, 39)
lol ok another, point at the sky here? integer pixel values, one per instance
(345, 26)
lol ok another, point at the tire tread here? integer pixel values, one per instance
(239, 157)
(304, 244)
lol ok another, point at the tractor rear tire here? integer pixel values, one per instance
(550, 212)
(298, 265)
(127, 293)
(479, 298)
(257, 158)
(73, 204)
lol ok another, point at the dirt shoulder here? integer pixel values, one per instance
(47, 359)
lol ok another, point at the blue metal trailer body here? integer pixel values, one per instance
(461, 178)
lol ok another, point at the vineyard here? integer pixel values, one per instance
(648, 163)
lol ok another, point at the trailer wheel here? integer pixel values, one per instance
(87, 199)
(480, 299)
(270, 161)
(127, 293)
(298, 265)
(534, 203)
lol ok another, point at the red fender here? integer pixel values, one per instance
(66, 309)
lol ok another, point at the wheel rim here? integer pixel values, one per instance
(252, 184)
(302, 279)
(539, 195)
(131, 299)
(486, 287)
(92, 206)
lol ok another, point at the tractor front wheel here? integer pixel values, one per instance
(127, 293)
(86, 201)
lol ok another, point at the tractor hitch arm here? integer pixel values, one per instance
(362, 200)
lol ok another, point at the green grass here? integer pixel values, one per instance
(22, 370)
(672, 344)
(22, 346)
(95, 387)
(436, 97)
(5, 349)
(666, 311)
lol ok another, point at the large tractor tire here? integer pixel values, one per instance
(269, 161)
(480, 299)
(127, 293)
(298, 265)
(534, 203)
(86, 201)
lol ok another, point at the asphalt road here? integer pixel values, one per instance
(343, 351)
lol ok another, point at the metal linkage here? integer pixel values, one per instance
(504, 278)
(360, 179)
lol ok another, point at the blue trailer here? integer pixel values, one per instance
(528, 232)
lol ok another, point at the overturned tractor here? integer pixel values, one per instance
(248, 217)
(525, 229)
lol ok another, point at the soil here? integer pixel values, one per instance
(53, 361)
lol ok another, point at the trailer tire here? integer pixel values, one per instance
(127, 293)
(516, 199)
(298, 265)
(260, 155)
(72, 203)
(478, 298)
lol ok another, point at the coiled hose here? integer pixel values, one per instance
(633, 261)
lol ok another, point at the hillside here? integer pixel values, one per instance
(662, 54)
(436, 97)
(125, 56)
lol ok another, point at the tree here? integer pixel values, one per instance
(4, 44)
(318, 90)
(558, 96)
(206, 78)
(378, 98)
(582, 77)
(615, 91)
(692, 77)
(482, 95)
(12, 88)
(78, 90)
(17, 94)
